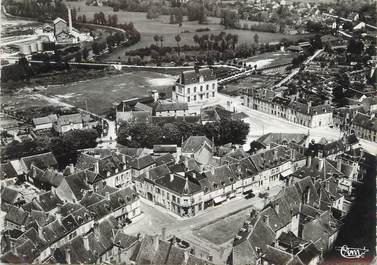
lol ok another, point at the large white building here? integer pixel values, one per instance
(197, 85)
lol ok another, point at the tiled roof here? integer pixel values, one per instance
(276, 256)
(192, 77)
(124, 241)
(16, 215)
(77, 184)
(51, 177)
(165, 159)
(42, 161)
(73, 118)
(179, 184)
(142, 162)
(9, 195)
(45, 120)
(49, 201)
(165, 148)
(195, 143)
(156, 172)
(141, 117)
(7, 171)
(279, 138)
(161, 107)
(365, 121)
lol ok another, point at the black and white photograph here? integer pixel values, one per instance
(188, 132)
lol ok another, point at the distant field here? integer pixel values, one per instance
(149, 27)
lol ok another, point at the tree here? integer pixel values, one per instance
(171, 19)
(355, 46)
(256, 38)
(161, 40)
(156, 38)
(178, 40)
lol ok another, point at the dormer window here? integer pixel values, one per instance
(215, 185)
(222, 183)
(108, 173)
(201, 78)
(116, 170)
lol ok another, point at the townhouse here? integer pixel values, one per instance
(108, 166)
(197, 85)
(365, 126)
(77, 121)
(172, 109)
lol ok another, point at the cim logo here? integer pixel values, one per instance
(352, 253)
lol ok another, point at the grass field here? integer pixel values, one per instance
(101, 93)
(224, 229)
(150, 27)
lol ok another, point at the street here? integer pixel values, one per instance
(262, 123)
(156, 217)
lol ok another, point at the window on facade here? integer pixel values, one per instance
(213, 86)
(188, 90)
(207, 95)
(173, 197)
(158, 190)
(213, 94)
(194, 98)
(207, 87)
(178, 200)
(201, 88)
(194, 89)
(188, 99)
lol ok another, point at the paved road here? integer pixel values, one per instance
(156, 217)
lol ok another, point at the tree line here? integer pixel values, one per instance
(147, 135)
(64, 147)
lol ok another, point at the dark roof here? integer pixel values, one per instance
(77, 184)
(51, 177)
(192, 76)
(142, 162)
(123, 240)
(308, 253)
(276, 256)
(49, 201)
(179, 184)
(164, 148)
(9, 195)
(165, 159)
(16, 215)
(171, 119)
(365, 121)
(160, 107)
(129, 104)
(42, 161)
(280, 138)
(7, 171)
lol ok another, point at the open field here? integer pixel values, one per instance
(101, 93)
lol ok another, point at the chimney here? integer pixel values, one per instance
(308, 161)
(174, 241)
(156, 242)
(86, 241)
(40, 234)
(69, 20)
(266, 220)
(194, 175)
(372, 115)
(155, 95)
(171, 177)
(309, 106)
(107, 196)
(68, 255)
(71, 168)
(339, 165)
(275, 154)
(320, 164)
(163, 233)
(96, 167)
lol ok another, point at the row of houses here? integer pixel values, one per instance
(64, 123)
(291, 110)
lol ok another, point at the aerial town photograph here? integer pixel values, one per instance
(188, 132)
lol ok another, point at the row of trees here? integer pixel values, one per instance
(64, 147)
(147, 135)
